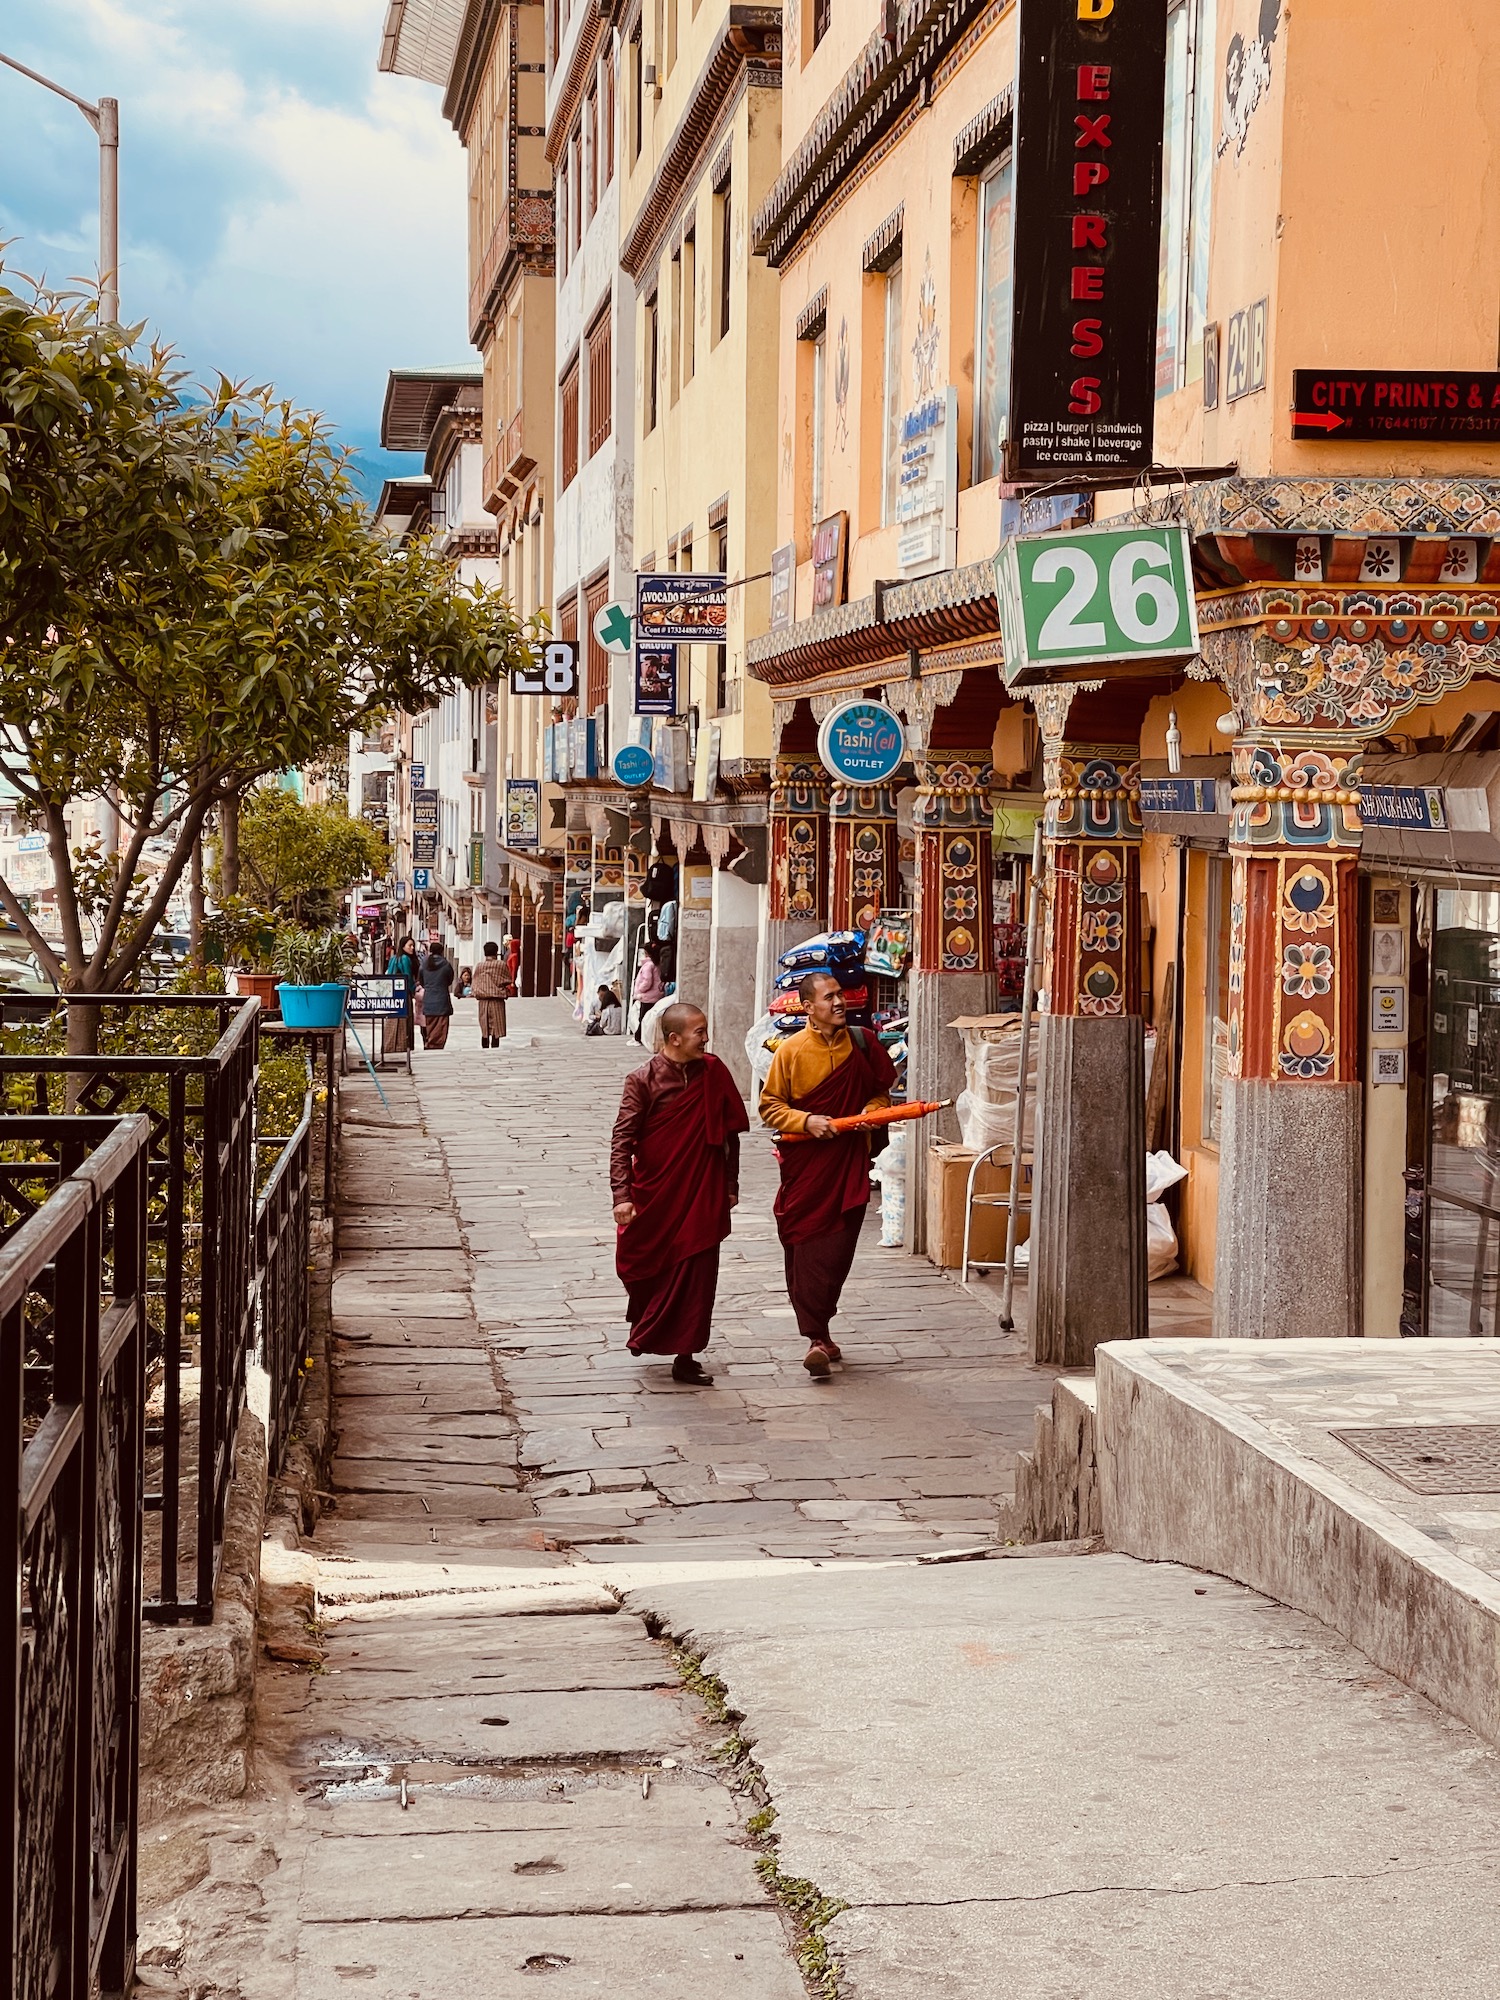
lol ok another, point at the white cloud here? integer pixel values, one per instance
(288, 215)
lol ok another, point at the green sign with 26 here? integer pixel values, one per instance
(1111, 597)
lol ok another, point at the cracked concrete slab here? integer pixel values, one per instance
(1080, 1777)
(741, 1954)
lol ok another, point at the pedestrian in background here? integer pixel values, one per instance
(403, 965)
(649, 987)
(436, 979)
(490, 983)
(513, 963)
(674, 1173)
(816, 1076)
(606, 1016)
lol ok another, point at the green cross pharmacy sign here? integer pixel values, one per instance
(1117, 597)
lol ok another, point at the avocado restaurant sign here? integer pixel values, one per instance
(862, 743)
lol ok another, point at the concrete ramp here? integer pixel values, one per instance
(1087, 1778)
(1355, 1480)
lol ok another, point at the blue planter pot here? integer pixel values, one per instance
(313, 1006)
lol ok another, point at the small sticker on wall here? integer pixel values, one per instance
(1387, 905)
(1387, 951)
(1388, 1010)
(1388, 1066)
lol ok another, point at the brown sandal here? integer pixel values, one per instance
(818, 1361)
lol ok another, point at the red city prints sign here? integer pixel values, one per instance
(1090, 82)
(1360, 404)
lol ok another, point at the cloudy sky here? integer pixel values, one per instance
(287, 215)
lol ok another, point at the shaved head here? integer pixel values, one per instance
(679, 1017)
(808, 984)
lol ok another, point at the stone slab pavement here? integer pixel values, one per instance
(486, 1764)
(907, 1451)
(1081, 1778)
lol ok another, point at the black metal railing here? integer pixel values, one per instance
(197, 1088)
(283, 1247)
(73, 1306)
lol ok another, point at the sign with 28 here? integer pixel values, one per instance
(1113, 596)
(553, 670)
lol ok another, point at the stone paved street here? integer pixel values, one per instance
(598, 1662)
(906, 1451)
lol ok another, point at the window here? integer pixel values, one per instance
(596, 693)
(564, 233)
(651, 362)
(575, 175)
(569, 401)
(1186, 195)
(992, 337)
(688, 336)
(591, 142)
(891, 484)
(601, 411)
(607, 101)
(725, 223)
(637, 106)
(822, 15)
(719, 655)
(819, 398)
(674, 321)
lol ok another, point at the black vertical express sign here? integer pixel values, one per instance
(1090, 84)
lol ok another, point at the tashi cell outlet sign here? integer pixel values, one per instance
(1090, 85)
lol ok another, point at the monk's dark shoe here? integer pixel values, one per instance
(833, 1350)
(817, 1361)
(686, 1369)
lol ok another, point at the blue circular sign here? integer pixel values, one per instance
(862, 743)
(632, 765)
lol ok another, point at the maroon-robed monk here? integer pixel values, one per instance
(816, 1076)
(674, 1172)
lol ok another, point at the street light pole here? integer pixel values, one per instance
(105, 119)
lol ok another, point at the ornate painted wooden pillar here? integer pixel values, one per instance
(527, 970)
(1289, 1255)
(1315, 671)
(864, 862)
(1088, 1257)
(798, 853)
(608, 871)
(952, 968)
(546, 940)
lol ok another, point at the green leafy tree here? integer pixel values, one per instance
(192, 598)
(298, 860)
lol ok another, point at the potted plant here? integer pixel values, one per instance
(242, 939)
(314, 968)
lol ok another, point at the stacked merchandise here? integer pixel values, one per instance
(841, 953)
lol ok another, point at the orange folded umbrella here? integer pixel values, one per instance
(866, 1121)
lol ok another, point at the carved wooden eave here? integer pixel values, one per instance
(885, 80)
(932, 612)
(472, 542)
(746, 54)
(476, 38)
(592, 32)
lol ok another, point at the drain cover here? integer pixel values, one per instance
(1432, 1458)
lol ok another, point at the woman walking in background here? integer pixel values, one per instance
(437, 978)
(403, 965)
(490, 983)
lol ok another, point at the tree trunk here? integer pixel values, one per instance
(229, 846)
(195, 907)
(83, 1040)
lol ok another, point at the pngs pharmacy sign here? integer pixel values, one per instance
(1104, 597)
(1090, 85)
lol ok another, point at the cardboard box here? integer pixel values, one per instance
(947, 1189)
